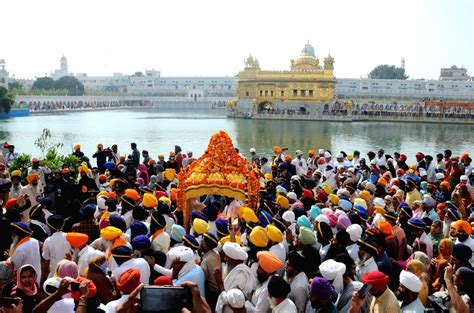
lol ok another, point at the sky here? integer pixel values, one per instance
(212, 38)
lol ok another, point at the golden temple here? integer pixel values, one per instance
(306, 82)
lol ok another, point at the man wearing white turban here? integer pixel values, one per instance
(230, 300)
(355, 232)
(322, 219)
(236, 273)
(333, 271)
(410, 286)
(289, 218)
(185, 269)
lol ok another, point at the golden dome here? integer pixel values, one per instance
(305, 62)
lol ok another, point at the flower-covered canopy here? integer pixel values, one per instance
(219, 171)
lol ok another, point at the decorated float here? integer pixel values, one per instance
(219, 171)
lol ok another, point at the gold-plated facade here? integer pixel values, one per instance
(306, 81)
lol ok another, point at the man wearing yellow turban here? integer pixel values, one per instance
(275, 237)
(77, 151)
(258, 237)
(149, 201)
(283, 202)
(115, 237)
(169, 174)
(16, 186)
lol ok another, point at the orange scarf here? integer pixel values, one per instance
(117, 243)
(22, 241)
(159, 231)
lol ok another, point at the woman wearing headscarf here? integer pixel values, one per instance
(143, 174)
(26, 288)
(421, 256)
(441, 261)
(419, 248)
(457, 199)
(66, 268)
(419, 269)
(465, 195)
(436, 234)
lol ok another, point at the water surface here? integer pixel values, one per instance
(158, 130)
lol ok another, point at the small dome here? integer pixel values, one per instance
(309, 50)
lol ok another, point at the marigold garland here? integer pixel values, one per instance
(220, 165)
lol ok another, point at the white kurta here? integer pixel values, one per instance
(139, 264)
(54, 249)
(82, 263)
(299, 290)
(368, 266)
(260, 302)
(286, 306)
(353, 250)
(28, 253)
(161, 242)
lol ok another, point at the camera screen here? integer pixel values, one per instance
(165, 299)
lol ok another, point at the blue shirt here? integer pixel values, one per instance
(195, 275)
(11, 156)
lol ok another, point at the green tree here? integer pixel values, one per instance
(71, 84)
(22, 162)
(138, 74)
(386, 71)
(43, 83)
(55, 161)
(15, 85)
(6, 100)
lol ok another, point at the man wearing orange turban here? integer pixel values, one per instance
(126, 283)
(32, 190)
(268, 264)
(279, 156)
(78, 242)
(132, 193)
(391, 243)
(463, 234)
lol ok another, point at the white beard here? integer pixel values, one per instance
(75, 255)
(226, 269)
(14, 243)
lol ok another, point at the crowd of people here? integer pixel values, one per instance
(339, 108)
(332, 232)
(46, 106)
